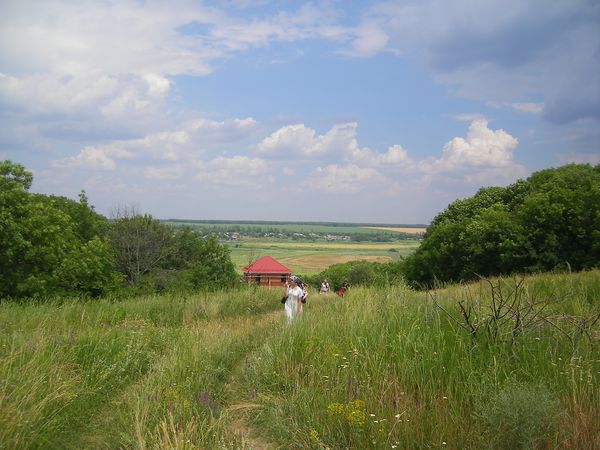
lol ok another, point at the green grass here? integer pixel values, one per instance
(380, 368)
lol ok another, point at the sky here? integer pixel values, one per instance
(346, 111)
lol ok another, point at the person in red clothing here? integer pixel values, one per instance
(342, 289)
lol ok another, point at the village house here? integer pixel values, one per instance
(266, 271)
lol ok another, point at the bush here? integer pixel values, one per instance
(359, 273)
(520, 416)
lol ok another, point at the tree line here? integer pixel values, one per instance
(54, 246)
(549, 221)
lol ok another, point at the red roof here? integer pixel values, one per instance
(266, 264)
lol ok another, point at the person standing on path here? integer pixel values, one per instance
(293, 304)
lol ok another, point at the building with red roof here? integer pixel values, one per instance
(266, 271)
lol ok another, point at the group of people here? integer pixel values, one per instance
(295, 294)
(325, 288)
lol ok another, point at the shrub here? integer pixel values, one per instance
(519, 416)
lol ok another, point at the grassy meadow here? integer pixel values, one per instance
(380, 368)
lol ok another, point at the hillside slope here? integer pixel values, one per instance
(379, 368)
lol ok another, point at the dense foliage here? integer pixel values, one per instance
(49, 245)
(358, 273)
(548, 221)
(52, 246)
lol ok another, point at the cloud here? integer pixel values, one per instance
(92, 94)
(346, 179)
(297, 139)
(93, 158)
(237, 171)
(395, 157)
(185, 144)
(514, 53)
(530, 107)
(170, 172)
(467, 117)
(369, 40)
(483, 150)
(111, 64)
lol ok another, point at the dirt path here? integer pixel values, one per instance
(236, 414)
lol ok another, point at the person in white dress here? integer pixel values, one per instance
(293, 304)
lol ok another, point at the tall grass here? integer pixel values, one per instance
(379, 368)
(385, 368)
(107, 374)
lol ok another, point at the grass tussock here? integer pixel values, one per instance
(380, 368)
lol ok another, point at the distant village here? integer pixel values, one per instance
(234, 236)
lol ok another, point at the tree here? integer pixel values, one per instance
(39, 239)
(552, 219)
(140, 244)
(211, 267)
(14, 176)
(89, 268)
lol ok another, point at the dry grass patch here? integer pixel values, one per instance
(321, 262)
(408, 230)
(349, 246)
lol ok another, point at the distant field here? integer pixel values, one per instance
(327, 246)
(309, 257)
(409, 230)
(309, 254)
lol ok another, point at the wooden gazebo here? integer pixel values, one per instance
(266, 271)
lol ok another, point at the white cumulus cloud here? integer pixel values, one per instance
(297, 139)
(483, 148)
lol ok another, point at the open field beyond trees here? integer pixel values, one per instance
(411, 230)
(380, 368)
(313, 257)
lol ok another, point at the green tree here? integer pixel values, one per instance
(38, 237)
(211, 267)
(560, 217)
(89, 269)
(552, 219)
(88, 223)
(493, 243)
(14, 176)
(140, 244)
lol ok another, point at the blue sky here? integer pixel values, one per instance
(382, 111)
